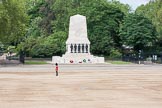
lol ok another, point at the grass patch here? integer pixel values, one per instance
(35, 62)
(119, 62)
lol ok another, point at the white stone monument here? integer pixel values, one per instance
(77, 44)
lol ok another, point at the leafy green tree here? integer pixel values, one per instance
(13, 20)
(40, 9)
(52, 45)
(123, 7)
(28, 44)
(44, 47)
(49, 22)
(137, 31)
(57, 43)
(103, 21)
(153, 11)
(34, 30)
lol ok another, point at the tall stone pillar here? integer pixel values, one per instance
(78, 44)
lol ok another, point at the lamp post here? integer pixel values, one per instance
(139, 57)
(161, 57)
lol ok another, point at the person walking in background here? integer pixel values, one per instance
(56, 68)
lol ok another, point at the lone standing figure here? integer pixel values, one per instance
(56, 69)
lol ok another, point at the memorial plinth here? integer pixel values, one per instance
(77, 44)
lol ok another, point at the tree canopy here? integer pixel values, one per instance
(13, 21)
(40, 27)
(48, 18)
(138, 32)
(153, 11)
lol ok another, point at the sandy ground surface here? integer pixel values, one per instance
(81, 86)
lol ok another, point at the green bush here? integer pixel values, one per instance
(115, 54)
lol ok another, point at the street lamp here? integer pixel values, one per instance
(139, 57)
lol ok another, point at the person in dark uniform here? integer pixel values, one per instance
(82, 48)
(71, 46)
(56, 68)
(86, 48)
(75, 48)
(79, 48)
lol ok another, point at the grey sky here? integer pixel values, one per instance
(134, 3)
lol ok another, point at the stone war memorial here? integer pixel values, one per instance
(77, 44)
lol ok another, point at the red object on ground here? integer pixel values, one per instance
(71, 61)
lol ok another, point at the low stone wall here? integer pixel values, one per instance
(76, 60)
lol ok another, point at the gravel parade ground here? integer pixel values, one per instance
(81, 86)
